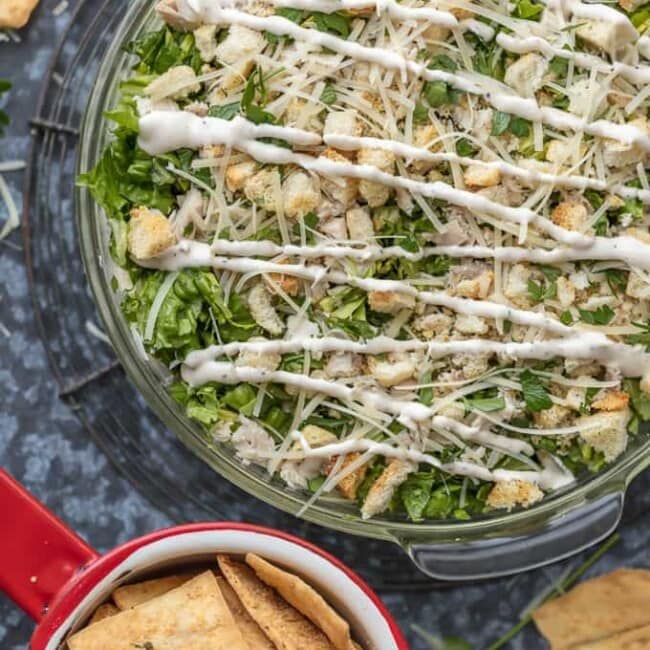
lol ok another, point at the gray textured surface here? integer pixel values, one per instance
(46, 447)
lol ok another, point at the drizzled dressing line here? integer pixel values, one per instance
(408, 413)
(630, 360)
(164, 131)
(552, 477)
(191, 254)
(410, 153)
(626, 249)
(638, 75)
(209, 11)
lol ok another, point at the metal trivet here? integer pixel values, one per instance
(91, 379)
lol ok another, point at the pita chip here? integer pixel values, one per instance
(103, 611)
(195, 607)
(596, 609)
(287, 628)
(305, 599)
(635, 639)
(130, 596)
(250, 630)
(214, 639)
(14, 14)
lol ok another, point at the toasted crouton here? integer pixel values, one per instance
(476, 288)
(340, 189)
(612, 400)
(349, 484)
(477, 177)
(605, 35)
(301, 195)
(637, 287)
(263, 312)
(150, 233)
(390, 302)
(552, 417)
(423, 136)
(238, 175)
(342, 123)
(238, 52)
(392, 372)
(177, 83)
(382, 490)
(470, 324)
(360, 225)
(375, 194)
(620, 154)
(317, 436)
(642, 235)
(525, 75)
(261, 188)
(508, 494)
(566, 292)
(608, 432)
(277, 282)
(562, 153)
(569, 215)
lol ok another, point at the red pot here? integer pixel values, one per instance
(59, 580)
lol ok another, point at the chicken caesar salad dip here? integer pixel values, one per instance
(393, 252)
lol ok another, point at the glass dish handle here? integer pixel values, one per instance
(559, 538)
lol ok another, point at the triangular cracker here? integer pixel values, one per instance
(133, 595)
(636, 639)
(305, 599)
(195, 607)
(282, 623)
(251, 631)
(596, 609)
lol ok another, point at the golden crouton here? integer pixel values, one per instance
(237, 175)
(14, 14)
(390, 302)
(571, 216)
(607, 433)
(552, 417)
(508, 494)
(382, 490)
(391, 372)
(477, 177)
(316, 436)
(301, 195)
(149, 233)
(476, 288)
(290, 284)
(613, 400)
(350, 483)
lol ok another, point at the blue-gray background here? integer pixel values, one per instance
(46, 447)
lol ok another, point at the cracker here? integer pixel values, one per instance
(635, 639)
(250, 630)
(305, 599)
(130, 596)
(14, 14)
(282, 623)
(214, 639)
(596, 609)
(193, 608)
(103, 611)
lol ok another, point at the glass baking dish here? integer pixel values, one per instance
(495, 544)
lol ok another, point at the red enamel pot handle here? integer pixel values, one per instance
(38, 552)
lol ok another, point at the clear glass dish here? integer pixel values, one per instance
(495, 544)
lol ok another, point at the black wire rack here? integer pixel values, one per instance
(90, 378)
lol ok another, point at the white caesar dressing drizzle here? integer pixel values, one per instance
(163, 131)
(630, 360)
(192, 254)
(211, 11)
(629, 250)
(553, 475)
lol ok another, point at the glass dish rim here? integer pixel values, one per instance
(147, 375)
